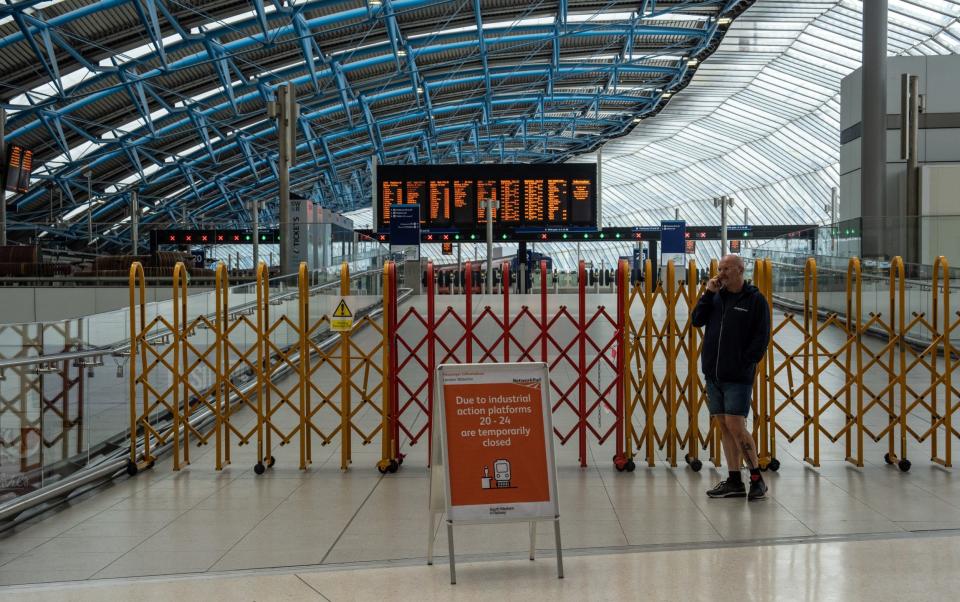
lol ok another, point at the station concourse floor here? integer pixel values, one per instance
(362, 535)
(833, 532)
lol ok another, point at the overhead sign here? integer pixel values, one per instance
(672, 236)
(734, 246)
(691, 247)
(493, 458)
(405, 230)
(199, 258)
(212, 237)
(448, 248)
(530, 195)
(342, 318)
(19, 168)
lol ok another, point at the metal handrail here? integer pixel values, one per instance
(124, 349)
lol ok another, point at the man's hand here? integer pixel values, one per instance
(713, 285)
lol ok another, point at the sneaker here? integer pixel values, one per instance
(728, 488)
(758, 489)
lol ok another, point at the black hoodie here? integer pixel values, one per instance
(736, 335)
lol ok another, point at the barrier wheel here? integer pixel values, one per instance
(904, 465)
(393, 466)
(630, 466)
(619, 462)
(696, 465)
(132, 469)
(887, 458)
(271, 462)
(774, 464)
(382, 469)
(259, 468)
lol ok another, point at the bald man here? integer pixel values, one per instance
(737, 320)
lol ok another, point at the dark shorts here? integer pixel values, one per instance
(728, 398)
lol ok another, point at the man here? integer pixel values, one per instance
(737, 320)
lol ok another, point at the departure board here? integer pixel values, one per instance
(391, 193)
(486, 191)
(440, 203)
(558, 201)
(533, 201)
(464, 201)
(530, 195)
(416, 195)
(581, 199)
(19, 167)
(510, 201)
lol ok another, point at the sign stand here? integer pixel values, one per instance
(493, 457)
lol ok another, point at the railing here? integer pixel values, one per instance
(62, 412)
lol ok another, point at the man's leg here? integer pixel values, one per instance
(737, 425)
(741, 437)
(730, 445)
(732, 486)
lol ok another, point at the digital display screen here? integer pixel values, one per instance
(451, 196)
(19, 167)
(416, 195)
(391, 193)
(441, 203)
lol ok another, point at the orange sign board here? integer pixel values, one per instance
(497, 442)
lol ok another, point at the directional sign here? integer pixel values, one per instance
(342, 318)
(672, 236)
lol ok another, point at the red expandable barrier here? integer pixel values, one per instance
(424, 340)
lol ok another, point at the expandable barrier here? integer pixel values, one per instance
(580, 347)
(854, 377)
(273, 376)
(629, 374)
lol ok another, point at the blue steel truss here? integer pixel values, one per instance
(169, 98)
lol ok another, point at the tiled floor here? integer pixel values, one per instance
(199, 520)
(909, 568)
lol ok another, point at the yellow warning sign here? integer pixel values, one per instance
(342, 318)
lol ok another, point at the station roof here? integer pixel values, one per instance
(169, 98)
(688, 99)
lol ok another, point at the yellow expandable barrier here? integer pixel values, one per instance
(249, 363)
(826, 379)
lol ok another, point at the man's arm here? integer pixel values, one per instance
(760, 333)
(701, 311)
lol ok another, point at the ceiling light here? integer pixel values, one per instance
(692, 63)
(724, 21)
